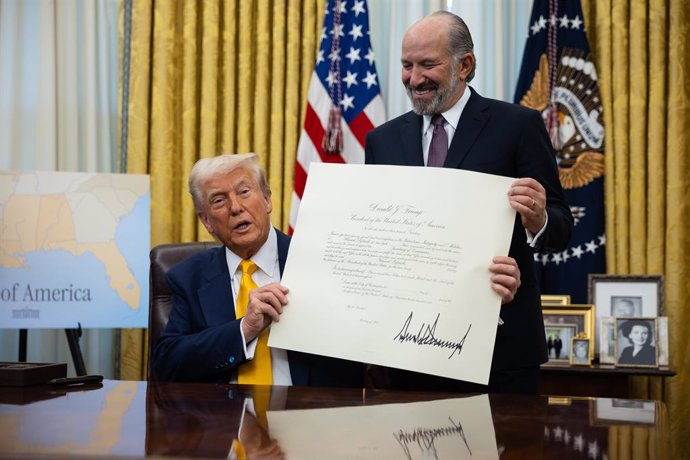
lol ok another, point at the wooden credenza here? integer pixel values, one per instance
(595, 380)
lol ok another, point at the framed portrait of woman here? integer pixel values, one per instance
(636, 342)
(624, 296)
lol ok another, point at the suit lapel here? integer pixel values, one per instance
(215, 295)
(411, 135)
(472, 121)
(283, 246)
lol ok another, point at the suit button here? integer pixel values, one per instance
(231, 359)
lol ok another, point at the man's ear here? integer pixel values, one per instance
(269, 203)
(204, 220)
(466, 65)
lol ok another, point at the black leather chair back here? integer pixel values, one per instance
(163, 257)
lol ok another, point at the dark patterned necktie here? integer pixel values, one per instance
(439, 142)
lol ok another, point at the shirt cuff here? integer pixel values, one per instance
(533, 240)
(249, 348)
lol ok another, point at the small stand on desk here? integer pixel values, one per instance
(73, 336)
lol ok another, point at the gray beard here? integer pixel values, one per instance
(439, 100)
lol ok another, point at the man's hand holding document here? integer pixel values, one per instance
(389, 265)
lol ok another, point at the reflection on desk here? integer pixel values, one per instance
(447, 428)
(137, 419)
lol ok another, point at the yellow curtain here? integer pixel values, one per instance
(643, 59)
(203, 78)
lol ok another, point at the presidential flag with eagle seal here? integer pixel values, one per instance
(559, 79)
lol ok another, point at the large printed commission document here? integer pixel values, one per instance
(389, 265)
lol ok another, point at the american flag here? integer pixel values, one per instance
(344, 77)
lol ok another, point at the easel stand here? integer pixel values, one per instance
(73, 336)
(22, 345)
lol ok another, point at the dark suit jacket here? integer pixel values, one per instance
(509, 140)
(202, 340)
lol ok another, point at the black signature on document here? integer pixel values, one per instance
(427, 336)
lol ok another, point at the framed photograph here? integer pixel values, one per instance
(662, 340)
(625, 296)
(636, 342)
(581, 352)
(608, 411)
(581, 315)
(558, 341)
(555, 300)
(626, 305)
(607, 340)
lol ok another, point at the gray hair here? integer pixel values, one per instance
(459, 39)
(208, 168)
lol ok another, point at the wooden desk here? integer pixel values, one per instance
(140, 419)
(595, 380)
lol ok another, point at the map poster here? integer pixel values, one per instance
(74, 250)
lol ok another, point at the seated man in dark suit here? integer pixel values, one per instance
(225, 299)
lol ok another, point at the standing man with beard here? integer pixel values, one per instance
(452, 126)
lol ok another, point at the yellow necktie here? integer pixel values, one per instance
(253, 435)
(262, 401)
(238, 450)
(257, 371)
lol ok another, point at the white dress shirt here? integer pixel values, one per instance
(266, 259)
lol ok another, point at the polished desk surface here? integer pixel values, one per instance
(137, 419)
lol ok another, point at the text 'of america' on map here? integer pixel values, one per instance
(74, 250)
